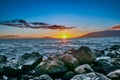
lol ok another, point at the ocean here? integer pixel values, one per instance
(13, 48)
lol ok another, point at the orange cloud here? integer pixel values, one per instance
(116, 27)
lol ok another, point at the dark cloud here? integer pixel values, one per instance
(116, 27)
(34, 25)
(10, 36)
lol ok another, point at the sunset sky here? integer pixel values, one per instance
(86, 15)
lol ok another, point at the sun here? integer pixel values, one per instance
(64, 37)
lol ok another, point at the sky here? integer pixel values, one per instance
(86, 15)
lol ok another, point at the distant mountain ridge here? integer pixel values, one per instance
(105, 33)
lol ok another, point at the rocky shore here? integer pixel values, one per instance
(80, 64)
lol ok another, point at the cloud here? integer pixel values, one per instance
(34, 25)
(116, 27)
(10, 36)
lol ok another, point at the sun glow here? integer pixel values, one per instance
(64, 36)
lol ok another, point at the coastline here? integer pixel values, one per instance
(70, 65)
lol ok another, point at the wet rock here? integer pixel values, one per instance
(116, 61)
(50, 66)
(114, 54)
(84, 55)
(26, 77)
(105, 67)
(12, 72)
(115, 75)
(1, 69)
(115, 47)
(68, 75)
(83, 69)
(90, 76)
(22, 65)
(108, 59)
(3, 58)
(42, 77)
(30, 60)
(69, 51)
(70, 61)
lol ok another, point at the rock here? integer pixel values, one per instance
(114, 54)
(50, 66)
(30, 60)
(116, 61)
(84, 55)
(68, 75)
(3, 58)
(22, 65)
(115, 47)
(42, 77)
(1, 69)
(70, 61)
(12, 72)
(69, 51)
(90, 76)
(105, 67)
(25, 77)
(115, 75)
(83, 69)
(104, 59)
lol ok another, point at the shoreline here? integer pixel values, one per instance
(70, 65)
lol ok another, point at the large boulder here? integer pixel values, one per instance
(22, 65)
(70, 61)
(115, 75)
(105, 67)
(84, 55)
(12, 72)
(90, 76)
(83, 69)
(42, 77)
(30, 60)
(50, 66)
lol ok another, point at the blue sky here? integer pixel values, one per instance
(98, 14)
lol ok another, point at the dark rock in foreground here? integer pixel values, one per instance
(84, 55)
(52, 67)
(105, 67)
(23, 64)
(30, 60)
(70, 61)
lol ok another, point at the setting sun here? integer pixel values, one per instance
(64, 36)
